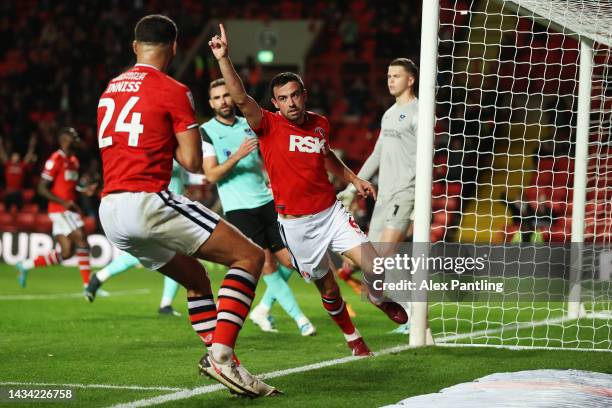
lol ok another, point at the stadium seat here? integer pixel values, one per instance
(90, 225)
(437, 233)
(28, 195)
(30, 208)
(7, 222)
(453, 189)
(437, 189)
(26, 221)
(43, 223)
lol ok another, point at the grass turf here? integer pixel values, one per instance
(121, 340)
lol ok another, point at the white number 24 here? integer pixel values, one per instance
(134, 128)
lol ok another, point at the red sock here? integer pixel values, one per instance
(82, 255)
(336, 308)
(235, 297)
(203, 317)
(52, 258)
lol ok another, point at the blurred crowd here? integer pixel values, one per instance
(56, 57)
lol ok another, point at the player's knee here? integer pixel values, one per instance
(258, 258)
(331, 292)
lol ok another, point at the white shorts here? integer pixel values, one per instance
(310, 238)
(153, 227)
(64, 223)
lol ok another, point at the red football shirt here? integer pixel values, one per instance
(13, 175)
(63, 171)
(294, 156)
(139, 114)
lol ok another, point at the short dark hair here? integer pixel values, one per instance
(408, 65)
(217, 82)
(284, 78)
(155, 29)
(67, 130)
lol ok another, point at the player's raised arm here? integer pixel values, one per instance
(247, 105)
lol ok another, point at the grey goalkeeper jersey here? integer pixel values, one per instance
(394, 155)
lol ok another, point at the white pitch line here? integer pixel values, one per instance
(273, 374)
(53, 296)
(104, 386)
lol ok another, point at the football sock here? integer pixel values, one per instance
(283, 294)
(82, 255)
(52, 258)
(203, 316)
(336, 308)
(285, 272)
(235, 297)
(268, 298)
(120, 264)
(170, 290)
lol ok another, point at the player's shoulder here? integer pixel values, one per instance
(242, 122)
(57, 155)
(318, 118)
(174, 84)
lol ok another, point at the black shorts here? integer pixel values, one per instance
(259, 224)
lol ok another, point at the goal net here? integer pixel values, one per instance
(519, 159)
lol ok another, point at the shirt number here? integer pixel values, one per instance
(133, 128)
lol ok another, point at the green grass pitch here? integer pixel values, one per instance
(120, 340)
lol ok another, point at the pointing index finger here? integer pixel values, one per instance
(222, 29)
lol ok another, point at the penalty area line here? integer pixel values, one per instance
(53, 296)
(184, 394)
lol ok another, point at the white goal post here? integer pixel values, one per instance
(515, 103)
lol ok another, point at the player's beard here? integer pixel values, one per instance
(230, 113)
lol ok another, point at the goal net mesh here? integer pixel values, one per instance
(506, 110)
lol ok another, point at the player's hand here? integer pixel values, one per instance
(364, 188)
(347, 196)
(218, 44)
(90, 190)
(247, 146)
(72, 206)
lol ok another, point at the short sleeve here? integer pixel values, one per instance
(265, 124)
(181, 108)
(208, 150)
(51, 169)
(414, 123)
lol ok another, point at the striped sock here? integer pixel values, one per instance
(235, 297)
(203, 316)
(336, 308)
(52, 258)
(82, 255)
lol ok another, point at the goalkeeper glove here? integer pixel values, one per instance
(347, 196)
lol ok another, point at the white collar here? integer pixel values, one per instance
(146, 65)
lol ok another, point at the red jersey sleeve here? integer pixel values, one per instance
(265, 125)
(181, 107)
(51, 169)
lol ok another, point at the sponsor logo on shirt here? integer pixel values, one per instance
(320, 131)
(249, 132)
(71, 175)
(402, 117)
(306, 144)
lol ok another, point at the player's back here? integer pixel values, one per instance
(139, 114)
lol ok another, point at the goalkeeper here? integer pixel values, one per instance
(394, 160)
